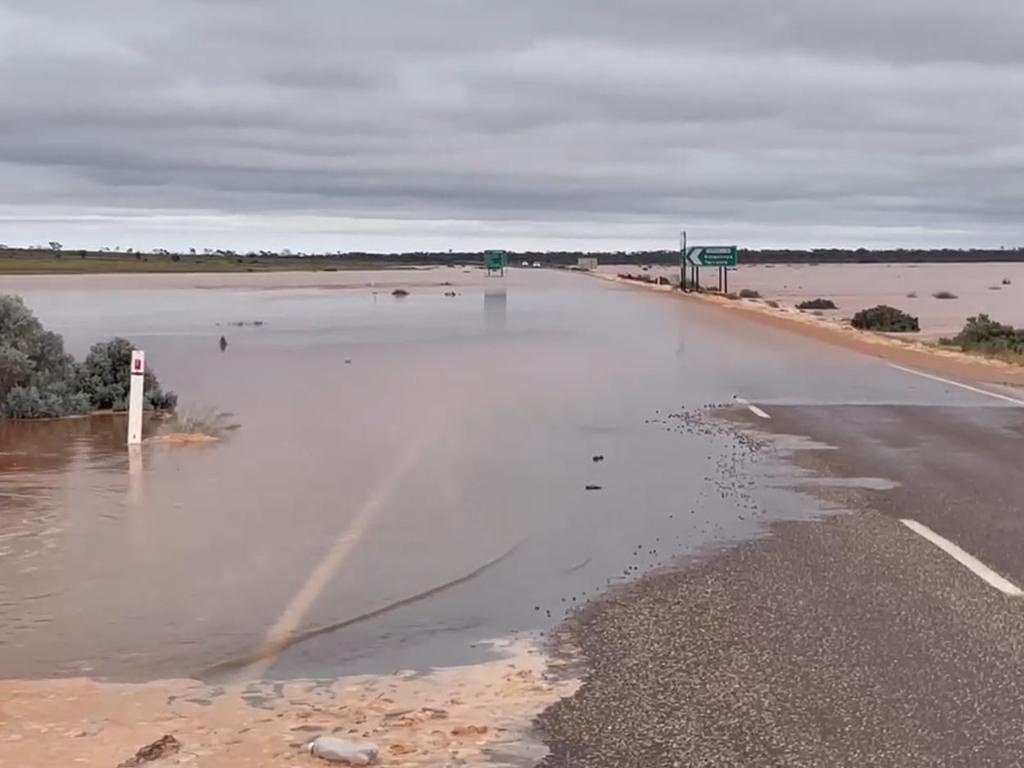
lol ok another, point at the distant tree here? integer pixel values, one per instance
(55, 246)
(192, 251)
(175, 257)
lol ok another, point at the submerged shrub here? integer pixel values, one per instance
(885, 318)
(817, 304)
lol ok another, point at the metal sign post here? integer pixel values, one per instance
(682, 260)
(135, 392)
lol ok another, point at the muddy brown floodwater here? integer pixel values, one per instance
(979, 288)
(408, 481)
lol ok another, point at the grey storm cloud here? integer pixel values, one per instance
(802, 121)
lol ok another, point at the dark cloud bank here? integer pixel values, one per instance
(392, 125)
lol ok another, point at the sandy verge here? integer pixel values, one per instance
(916, 354)
(457, 715)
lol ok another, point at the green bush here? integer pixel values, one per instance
(982, 335)
(817, 304)
(885, 318)
(38, 379)
(105, 378)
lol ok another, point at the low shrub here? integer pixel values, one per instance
(399, 292)
(817, 304)
(749, 293)
(1006, 281)
(39, 380)
(984, 336)
(943, 295)
(885, 318)
(773, 304)
(912, 295)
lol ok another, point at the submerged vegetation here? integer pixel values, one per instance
(38, 379)
(199, 421)
(817, 304)
(886, 319)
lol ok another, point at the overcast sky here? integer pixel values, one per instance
(435, 124)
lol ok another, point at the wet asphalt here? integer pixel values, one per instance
(849, 640)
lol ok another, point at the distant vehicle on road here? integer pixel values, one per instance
(526, 263)
(536, 264)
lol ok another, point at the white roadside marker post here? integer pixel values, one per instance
(138, 372)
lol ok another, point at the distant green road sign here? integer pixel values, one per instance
(495, 260)
(712, 256)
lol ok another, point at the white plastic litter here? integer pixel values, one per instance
(343, 750)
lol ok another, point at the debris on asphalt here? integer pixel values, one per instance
(336, 750)
(165, 745)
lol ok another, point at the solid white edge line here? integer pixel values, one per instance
(968, 387)
(969, 561)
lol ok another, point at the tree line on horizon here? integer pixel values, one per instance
(563, 258)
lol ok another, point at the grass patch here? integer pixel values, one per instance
(773, 304)
(817, 304)
(885, 319)
(944, 295)
(199, 421)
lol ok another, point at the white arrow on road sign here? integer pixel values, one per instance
(712, 256)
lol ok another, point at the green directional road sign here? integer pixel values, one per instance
(495, 261)
(712, 256)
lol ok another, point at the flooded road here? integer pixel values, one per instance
(410, 477)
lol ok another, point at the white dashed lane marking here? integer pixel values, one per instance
(753, 408)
